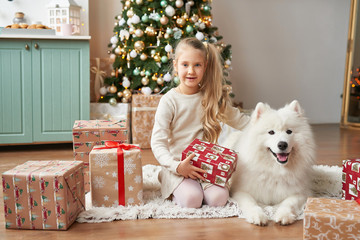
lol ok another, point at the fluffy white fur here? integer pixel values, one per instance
(276, 154)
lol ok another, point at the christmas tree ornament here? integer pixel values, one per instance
(131, 30)
(143, 57)
(228, 62)
(164, 59)
(150, 31)
(167, 77)
(153, 52)
(127, 3)
(127, 94)
(145, 18)
(156, 90)
(124, 34)
(148, 73)
(139, 45)
(186, 16)
(113, 89)
(189, 29)
(120, 70)
(112, 57)
(136, 71)
(139, 2)
(160, 81)
(157, 58)
(112, 101)
(206, 8)
(122, 22)
(170, 11)
(146, 90)
(145, 81)
(114, 40)
(194, 18)
(166, 36)
(139, 32)
(179, 3)
(200, 36)
(119, 94)
(163, 3)
(180, 22)
(130, 13)
(112, 73)
(117, 50)
(135, 19)
(154, 77)
(164, 20)
(168, 48)
(142, 73)
(133, 54)
(103, 91)
(176, 80)
(169, 31)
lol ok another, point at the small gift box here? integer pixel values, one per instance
(106, 111)
(43, 194)
(90, 133)
(142, 118)
(219, 162)
(331, 219)
(351, 179)
(116, 175)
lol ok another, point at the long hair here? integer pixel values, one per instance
(215, 96)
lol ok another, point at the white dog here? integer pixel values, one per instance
(276, 154)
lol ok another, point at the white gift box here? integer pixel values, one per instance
(105, 111)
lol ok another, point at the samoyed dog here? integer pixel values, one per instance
(276, 154)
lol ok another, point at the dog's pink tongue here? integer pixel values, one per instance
(282, 157)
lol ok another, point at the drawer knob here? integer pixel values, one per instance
(36, 46)
(27, 47)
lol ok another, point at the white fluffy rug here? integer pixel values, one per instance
(326, 183)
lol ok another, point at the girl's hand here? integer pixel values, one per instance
(188, 170)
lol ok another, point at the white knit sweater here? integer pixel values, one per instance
(177, 124)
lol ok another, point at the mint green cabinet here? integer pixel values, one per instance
(44, 88)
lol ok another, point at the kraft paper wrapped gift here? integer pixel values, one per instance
(89, 133)
(43, 194)
(142, 118)
(218, 161)
(331, 219)
(116, 175)
(351, 179)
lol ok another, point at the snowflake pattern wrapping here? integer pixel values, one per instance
(351, 179)
(331, 219)
(105, 178)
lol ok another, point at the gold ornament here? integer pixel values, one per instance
(226, 66)
(145, 81)
(154, 77)
(119, 94)
(166, 35)
(139, 45)
(150, 31)
(160, 81)
(113, 89)
(130, 13)
(139, 2)
(142, 73)
(120, 70)
(127, 94)
(156, 90)
(124, 100)
(194, 18)
(113, 73)
(164, 20)
(127, 3)
(185, 16)
(139, 32)
(157, 58)
(143, 57)
(180, 22)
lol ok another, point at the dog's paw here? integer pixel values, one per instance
(284, 216)
(256, 216)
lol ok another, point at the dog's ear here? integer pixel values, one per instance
(259, 110)
(295, 106)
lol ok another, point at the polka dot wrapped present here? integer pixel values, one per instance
(116, 175)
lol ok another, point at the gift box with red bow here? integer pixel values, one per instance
(351, 179)
(43, 194)
(326, 218)
(89, 133)
(219, 162)
(116, 175)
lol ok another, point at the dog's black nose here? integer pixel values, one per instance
(282, 145)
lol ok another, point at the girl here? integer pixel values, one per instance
(192, 110)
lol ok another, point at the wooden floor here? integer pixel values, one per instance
(333, 145)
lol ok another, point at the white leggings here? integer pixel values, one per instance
(191, 195)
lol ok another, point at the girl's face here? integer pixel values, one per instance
(190, 66)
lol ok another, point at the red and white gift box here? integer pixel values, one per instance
(219, 162)
(351, 179)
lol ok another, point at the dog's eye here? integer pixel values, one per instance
(271, 132)
(288, 131)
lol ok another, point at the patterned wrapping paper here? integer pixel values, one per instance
(331, 219)
(105, 177)
(351, 179)
(43, 194)
(142, 118)
(90, 133)
(219, 162)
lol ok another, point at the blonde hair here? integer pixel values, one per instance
(215, 96)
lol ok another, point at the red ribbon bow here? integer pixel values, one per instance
(120, 158)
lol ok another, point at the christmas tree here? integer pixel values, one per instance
(145, 35)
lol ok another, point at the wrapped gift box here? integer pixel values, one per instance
(89, 133)
(331, 219)
(43, 194)
(106, 111)
(116, 179)
(142, 118)
(351, 179)
(219, 162)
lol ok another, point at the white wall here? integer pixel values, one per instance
(36, 10)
